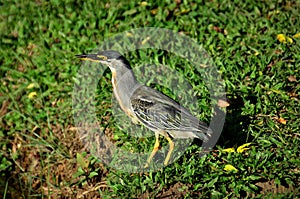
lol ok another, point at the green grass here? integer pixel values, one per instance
(39, 142)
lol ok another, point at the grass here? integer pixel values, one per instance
(41, 154)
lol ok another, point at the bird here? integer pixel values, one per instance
(147, 106)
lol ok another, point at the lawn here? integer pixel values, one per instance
(254, 47)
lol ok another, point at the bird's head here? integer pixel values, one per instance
(113, 59)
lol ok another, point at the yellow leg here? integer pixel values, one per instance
(170, 150)
(155, 149)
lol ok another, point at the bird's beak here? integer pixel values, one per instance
(89, 57)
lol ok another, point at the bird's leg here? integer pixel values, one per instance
(170, 150)
(155, 149)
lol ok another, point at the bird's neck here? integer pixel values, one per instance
(124, 84)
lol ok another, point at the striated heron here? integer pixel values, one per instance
(145, 105)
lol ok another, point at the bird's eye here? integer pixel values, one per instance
(102, 57)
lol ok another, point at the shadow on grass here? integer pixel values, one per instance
(235, 128)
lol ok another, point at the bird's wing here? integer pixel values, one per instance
(159, 112)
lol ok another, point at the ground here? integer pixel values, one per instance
(253, 45)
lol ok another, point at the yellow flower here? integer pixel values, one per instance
(243, 148)
(297, 35)
(229, 167)
(128, 34)
(32, 95)
(229, 150)
(143, 3)
(281, 120)
(290, 40)
(281, 38)
(30, 86)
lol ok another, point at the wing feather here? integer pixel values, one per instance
(159, 112)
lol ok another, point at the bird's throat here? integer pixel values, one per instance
(124, 86)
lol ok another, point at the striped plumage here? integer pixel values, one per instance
(158, 112)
